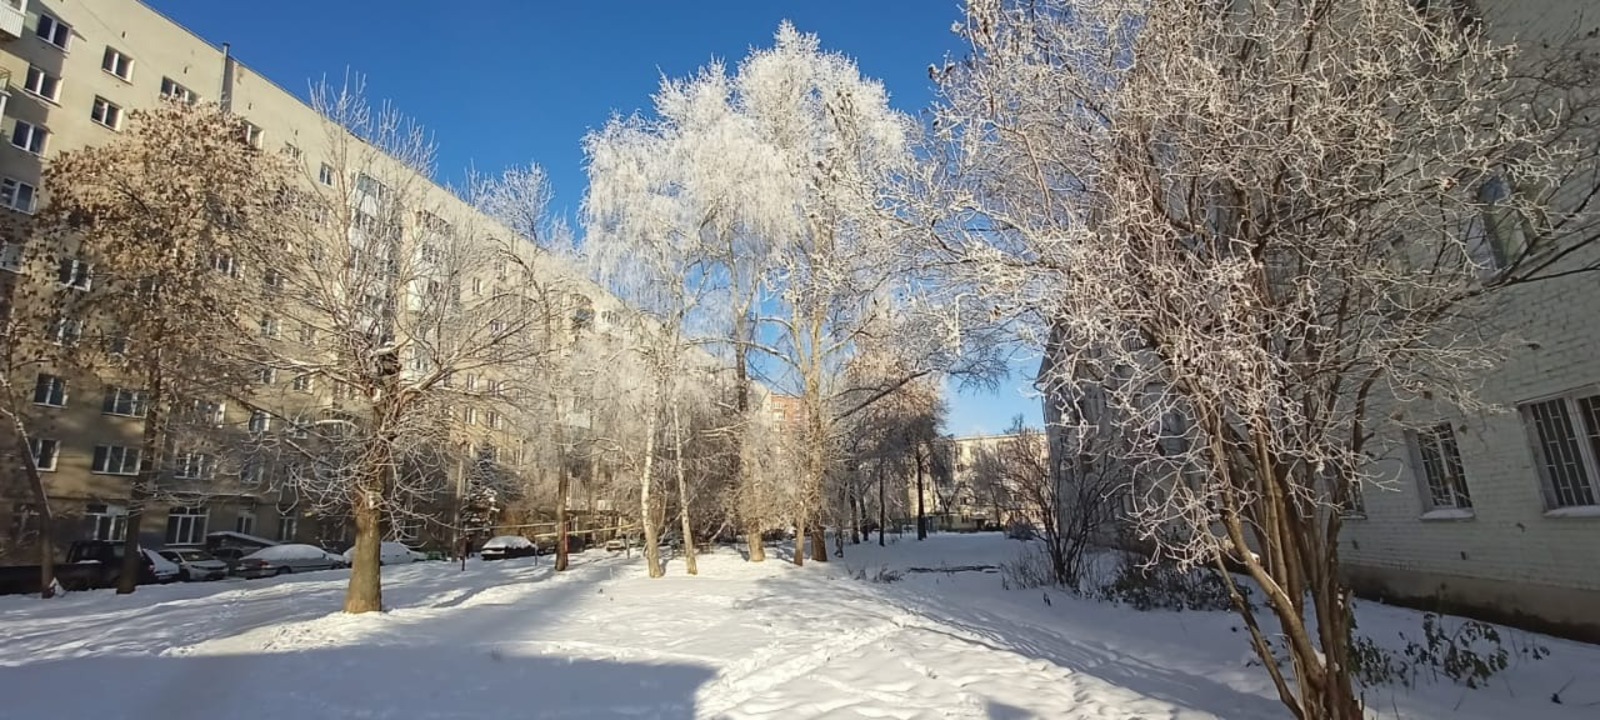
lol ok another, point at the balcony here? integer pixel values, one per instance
(12, 15)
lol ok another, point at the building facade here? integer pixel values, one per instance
(1492, 514)
(1497, 514)
(73, 70)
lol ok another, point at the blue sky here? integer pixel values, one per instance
(504, 82)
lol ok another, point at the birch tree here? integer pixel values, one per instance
(1264, 231)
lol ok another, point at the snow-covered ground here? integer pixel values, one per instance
(511, 639)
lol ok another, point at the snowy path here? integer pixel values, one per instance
(740, 641)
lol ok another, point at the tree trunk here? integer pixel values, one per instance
(687, 528)
(563, 490)
(365, 591)
(855, 517)
(152, 443)
(883, 507)
(819, 542)
(922, 518)
(800, 539)
(652, 547)
(46, 519)
(741, 388)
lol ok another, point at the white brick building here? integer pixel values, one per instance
(1500, 516)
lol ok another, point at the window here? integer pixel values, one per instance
(292, 151)
(75, 274)
(123, 401)
(11, 257)
(186, 525)
(50, 390)
(325, 174)
(117, 63)
(224, 263)
(17, 195)
(308, 335)
(43, 84)
(269, 326)
(252, 134)
(194, 466)
(273, 280)
(29, 137)
(302, 383)
(288, 528)
(45, 451)
(65, 331)
(252, 474)
(106, 522)
(299, 429)
(1566, 435)
(260, 421)
(266, 375)
(472, 382)
(171, 90)
(477, 286)
(245, 523)
(116, 460)
(209, 412)
(470, 415)
(118, 344)
(369, 185)
(106, 113)
(53, 31)
(1437, 459)
(494, 419)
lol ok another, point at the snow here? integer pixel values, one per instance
(509, 542)
(514, 639)
(252, 539)
(289, 552)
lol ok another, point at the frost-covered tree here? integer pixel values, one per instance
(400, 315)
(1260, 229)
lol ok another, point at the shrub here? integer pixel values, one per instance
(1163, 586)
(1030, 569)
(1470, 654)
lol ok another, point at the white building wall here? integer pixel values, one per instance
(1510, 557)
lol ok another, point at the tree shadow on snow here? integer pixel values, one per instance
(159, 617)
(417, 682)
(962, 617)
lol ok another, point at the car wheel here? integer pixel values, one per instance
(282, 571)
(184, 575)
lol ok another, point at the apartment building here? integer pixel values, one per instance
(1492, 514)
(1498, 514)
(72, 71)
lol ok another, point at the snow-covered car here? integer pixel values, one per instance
(390, 553)
(616, 545)
(284, 559)
(195, 564)
(509, 546)
(165, 570)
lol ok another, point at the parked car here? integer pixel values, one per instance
(284, 559)
(195, 564)
(616, 545)
(389, 553)
(229, 556)
(575, 544)
(165, 570)
(509, 546)
(90, 564)
(338, 560)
